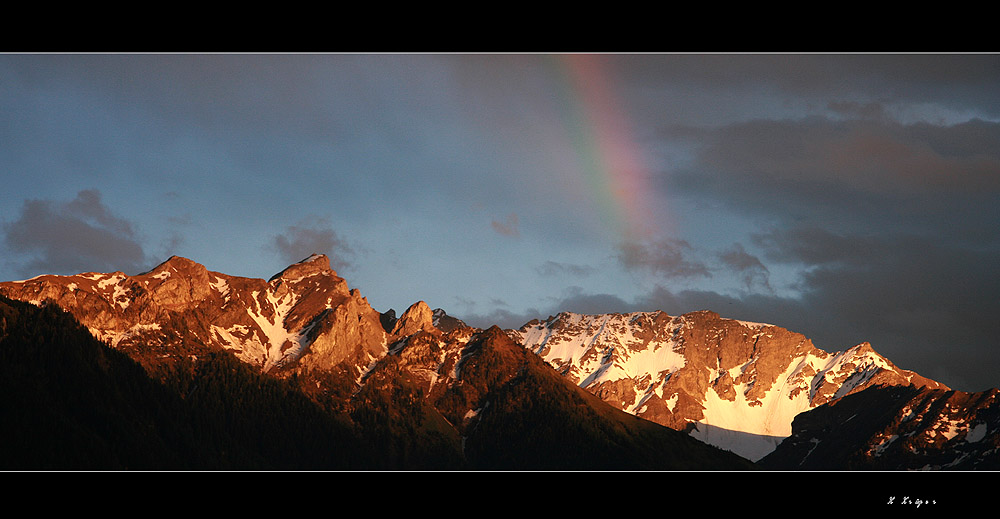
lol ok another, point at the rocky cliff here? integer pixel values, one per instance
(304, 315)
(731, 383)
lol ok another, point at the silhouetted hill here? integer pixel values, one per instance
(72, 403)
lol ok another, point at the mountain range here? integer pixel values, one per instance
(301, 362)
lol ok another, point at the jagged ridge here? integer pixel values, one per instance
(425, 398)
(731, 383)
(734, 384)
(305, 309)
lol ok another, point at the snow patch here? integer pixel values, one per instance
(977, 433)
(884, 444)
(601, 347)
(950, 428)
(672, 401)
(114, 338)
(221, 286)
(750, 324)
(750, 446)
(112, 280)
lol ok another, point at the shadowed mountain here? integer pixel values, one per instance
(510, 411)
(895, 428)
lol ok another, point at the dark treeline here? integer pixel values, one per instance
(70, 402)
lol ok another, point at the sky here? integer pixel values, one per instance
(848, 197)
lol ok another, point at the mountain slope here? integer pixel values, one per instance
(245, 354)
(304, 311)
(730, 383)
(263, 360)
(504, 409)
(562, 427)
(896, 428)
(72, 403)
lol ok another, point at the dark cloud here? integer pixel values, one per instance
(814, 246)
(299, 241)
(71, 237)
(501, 317)
(918, 299)
(927, 305)
(958, 82)
(746, 266)
(815, 156)
(668, 258)
(892, 229)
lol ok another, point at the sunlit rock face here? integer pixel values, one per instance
(418, 317)
(734, 384)
(305, 314)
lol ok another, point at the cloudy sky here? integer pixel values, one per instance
(849, 197)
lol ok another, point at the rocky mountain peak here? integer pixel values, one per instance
(176, 264)
(447, 323)
(731, 383)
(418, 317)
(306, 310)
(314, 264)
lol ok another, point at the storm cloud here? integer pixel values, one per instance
(74, 236)
(886, 226)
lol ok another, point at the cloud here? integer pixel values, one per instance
(299, 241)
(747, 266)
(665, 258)
(71, 237)
(508, 227)
(553, 268)
(855, 109)
(855, 171)
(815, 246)
(913, 297)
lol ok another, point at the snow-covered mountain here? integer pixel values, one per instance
(730, 383)
(733, 384)
(422, 391)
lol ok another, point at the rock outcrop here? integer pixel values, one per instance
(418, 317)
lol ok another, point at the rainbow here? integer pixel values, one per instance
(611, 166)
